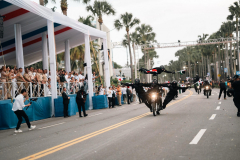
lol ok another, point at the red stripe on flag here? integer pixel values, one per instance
(14, 14)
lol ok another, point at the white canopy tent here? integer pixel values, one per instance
(28, 26)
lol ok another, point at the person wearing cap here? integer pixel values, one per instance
(236, 93)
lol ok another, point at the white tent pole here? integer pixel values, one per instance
(52, 56)
(19, 46)
(106, 66)
(44, 51)
(67, 56)
(89, 70)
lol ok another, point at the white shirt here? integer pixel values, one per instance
(81, 77)
(124, 90)
(101, 92)
(66, 77)
(19, 103)
(76, 77)
(93, 77)
(110, 92)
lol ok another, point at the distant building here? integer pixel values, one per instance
(125, 71)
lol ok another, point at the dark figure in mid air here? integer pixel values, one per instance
(172, 93)
(223, 88)
(157, 70)
(81, 99)
(235, 91)
(138, 88)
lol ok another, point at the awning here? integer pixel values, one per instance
(33, 19)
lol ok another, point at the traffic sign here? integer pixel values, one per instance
(238, 73)
(219, 75)
(225, 70)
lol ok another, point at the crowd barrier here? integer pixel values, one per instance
(40, 109)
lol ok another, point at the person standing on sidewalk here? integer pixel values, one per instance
(222, 86)
(65, 102)
(119, 94)
(110, 99)
(124, 92)
(81, 99)
(18, 106)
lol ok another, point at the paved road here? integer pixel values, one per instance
(189, 128)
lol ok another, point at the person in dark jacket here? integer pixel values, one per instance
(65, 102)
(222, 89)
(81, 99)
(236, 93)
(128, 95)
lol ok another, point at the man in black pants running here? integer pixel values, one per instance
(18, 106)
(222, 88)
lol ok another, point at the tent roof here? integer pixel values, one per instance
(33, 19)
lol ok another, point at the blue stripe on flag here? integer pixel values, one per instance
(4, 4)
(28, 35)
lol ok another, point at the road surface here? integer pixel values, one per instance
(191, 127)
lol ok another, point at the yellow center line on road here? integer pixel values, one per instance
(88, 136)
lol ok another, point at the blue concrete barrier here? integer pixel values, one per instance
(38, 110)
(100, 102)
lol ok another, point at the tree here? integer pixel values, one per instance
(235, 13)
(45, 2)
(116, 66)
(64, 5)
(88, 20)
(135, 38)
(126, 20)
(100, 8)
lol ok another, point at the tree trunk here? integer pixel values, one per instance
(202, 67)
(237, 44)
(234, 66)
(227, 60)
(132, 76)
(231, 61)
(41, 2)
(64, 12)
(219, 61)
(148, 66)
(215, 66)
(135, 64)
(189, 65)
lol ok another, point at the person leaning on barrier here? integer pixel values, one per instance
(27, 77)
(18, 106)
(81, 99)
(10, 77)
(4, 76)
(20, 80)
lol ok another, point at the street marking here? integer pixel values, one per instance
(218, 108)
(219, 102)
(95, 115)
(90, 135)
(52, 125)
(212, 117)
(198, 136)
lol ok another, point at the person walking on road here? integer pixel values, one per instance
(81, 99)
(222, 86)
(18, 106)
(65, 102)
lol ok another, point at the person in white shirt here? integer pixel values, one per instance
(101, 90)
(18, 106)
(110, 92)
(124, 92)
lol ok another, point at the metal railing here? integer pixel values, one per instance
(10, 90)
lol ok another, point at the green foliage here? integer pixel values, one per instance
(116, 65)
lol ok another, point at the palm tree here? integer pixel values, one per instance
(135, 38)
(45, 2)
(88, 20)
(235, 13)
(126, 20)
(100, 8)
(64, 5)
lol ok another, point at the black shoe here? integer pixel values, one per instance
(158, 113)
(150, 110)
(80, 115)
(85, 115)
(238, 114)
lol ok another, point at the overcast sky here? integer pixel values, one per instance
(172, 20)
